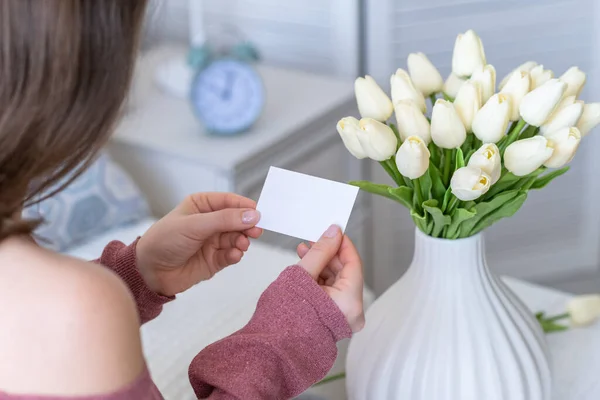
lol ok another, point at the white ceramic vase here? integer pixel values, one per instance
(450, 329)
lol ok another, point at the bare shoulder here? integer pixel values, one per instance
(70, 324)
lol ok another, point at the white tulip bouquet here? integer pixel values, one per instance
(473, 159)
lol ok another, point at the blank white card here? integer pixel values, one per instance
(303, 206)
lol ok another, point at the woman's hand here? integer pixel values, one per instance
(203, 235)
(336, 266)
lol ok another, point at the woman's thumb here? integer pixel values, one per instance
(322, 252)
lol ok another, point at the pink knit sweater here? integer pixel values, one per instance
(289, 344)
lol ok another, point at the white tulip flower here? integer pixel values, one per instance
(575, 80)
(377, 139)
(486, 76)
(488, 159)
(468, 102)
(348, 128)
(412, 158)
(412, 122)
(372, 100)
(539, 76)
(537, 105)
(468, 54)
(525, 67)
(470, 183)
(525, 156)
(453, 84)
(517, 87)
(424, 74)
(447, 129)
(403, 88)
(567, 114)
(590, 118)
(584, 310)
(565, 142)
(491, 122)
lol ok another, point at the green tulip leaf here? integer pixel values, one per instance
(508, 209)
(447, 197)
(460, 215)
(439, 219)
(543, 181)
(403, 195)
(486, 208)
(437, 186)
(435, 153)
(506, 182)
(374, 188)
(426, 185)
(420, 221)
(460, 159)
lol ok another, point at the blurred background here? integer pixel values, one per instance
(311, 51)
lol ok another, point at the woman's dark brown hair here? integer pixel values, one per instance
(65, 69)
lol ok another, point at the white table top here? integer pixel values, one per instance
(160, 121)
(576, 353)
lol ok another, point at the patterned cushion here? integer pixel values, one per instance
(103, 197)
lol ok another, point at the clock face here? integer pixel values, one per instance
(228, 96)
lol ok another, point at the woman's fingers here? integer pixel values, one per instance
(209, 202)
(254, 232)
(322, 252)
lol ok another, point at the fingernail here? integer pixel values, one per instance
(250, 217)
(332, 231)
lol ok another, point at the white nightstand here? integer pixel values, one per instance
(163, 146)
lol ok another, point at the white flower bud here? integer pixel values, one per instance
(517, 87)
(403, 88)
(377, 139)
(468, 102)
(348, 128)
(491, 121)
(525, 156)
(424, 74)
(590, 118)
(469, 183)
(486, 77)
(525, 67)
(584, 310)
(412, 158)
(575, 80)
(453, 85)
(468, 54)
(487, 158)
(412, 122)
(447, 129)
(567, 114)
(372, 100)
(537, 105)
(566, 142)
(539, 76)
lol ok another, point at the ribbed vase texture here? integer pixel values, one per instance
(449, 329)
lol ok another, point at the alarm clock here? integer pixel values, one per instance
(227, 93)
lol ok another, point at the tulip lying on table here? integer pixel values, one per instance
(468, 156)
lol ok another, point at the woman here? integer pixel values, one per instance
(70, 329)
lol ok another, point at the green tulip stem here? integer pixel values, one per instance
(514, 134)
(452, 205)
(418, 193)
(447, 164)
(557, 317)
(331, 378)
(433, 99)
